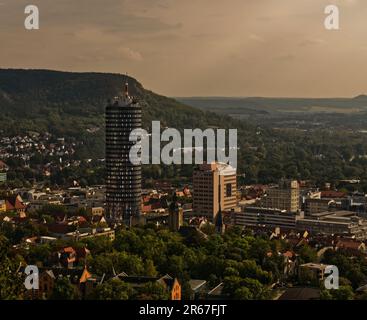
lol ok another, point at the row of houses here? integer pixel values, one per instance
(84, 283)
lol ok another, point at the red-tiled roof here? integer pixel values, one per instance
(156, 205)
(187, 191)
(147, 208)
(82, 219)
(349, 244)
(13, 203)
(333, 194)
(3, 165)
(68, 250)
(288, 254)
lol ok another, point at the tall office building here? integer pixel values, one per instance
(123, 178)
(215, 189)
(285, 197)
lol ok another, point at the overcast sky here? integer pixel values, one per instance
(197, 47)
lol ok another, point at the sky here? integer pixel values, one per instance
(274, 48)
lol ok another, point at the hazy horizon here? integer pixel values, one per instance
(194, 97)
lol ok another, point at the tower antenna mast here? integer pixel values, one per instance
(126, 90)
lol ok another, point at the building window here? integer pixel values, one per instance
(228, 189)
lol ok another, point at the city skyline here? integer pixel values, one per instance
(110, 190)
(269, 48)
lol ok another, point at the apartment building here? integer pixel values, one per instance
(214, 188)
(286, 196)
(345, 223)
(264, 217)
(317, 205)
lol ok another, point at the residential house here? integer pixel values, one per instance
(351, 245)
(15, 203)
(198, 289)
(170, 284)
(49, 276)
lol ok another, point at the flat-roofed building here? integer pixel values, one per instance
(284, 197)
(95, 211)
(345, 223)
(314, 271)
(264, 217)
(36, 205)
(215, 186)
(317, 205)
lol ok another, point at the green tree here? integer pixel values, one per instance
(63, 290)
(11, 284)
(242, 294)
(343, 293)
(152, 291)
(307, 254)
(149, 268)
(114, 289)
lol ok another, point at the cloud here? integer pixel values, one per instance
(351, 2)
(114, 16)
(311, 42)
(256, 38)
(286, 57)
(130, 54)
(251, 44)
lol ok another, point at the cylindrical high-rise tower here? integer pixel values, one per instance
(123, 179)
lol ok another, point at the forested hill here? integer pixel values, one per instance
(64, 101)
(72, 105)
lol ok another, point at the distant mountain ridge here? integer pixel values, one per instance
(361, 97)
(259, 105)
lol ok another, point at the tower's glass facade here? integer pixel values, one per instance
(123, 179)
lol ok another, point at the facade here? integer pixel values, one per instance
(344, 223)
(198, 289)
(171, 285)
(3, 169)
(351, 245)
(174, 288)
(48, 278)
(15, 203)
(215, 188)
(284, 197)
(317, 205)
(95, 211)
(312, 271)
(36, 205)
(93, 233)
(263, 217)
(175, 219)
(2, 206)
(123, 178)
